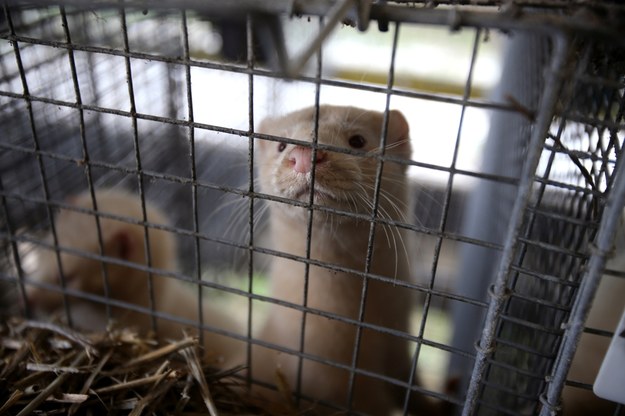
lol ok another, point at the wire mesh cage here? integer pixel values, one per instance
(142, 147)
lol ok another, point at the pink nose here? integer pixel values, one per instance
(300, 158)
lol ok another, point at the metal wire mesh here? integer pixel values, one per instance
(551, 249)
(92, 98)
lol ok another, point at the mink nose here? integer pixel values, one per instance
(300, 159)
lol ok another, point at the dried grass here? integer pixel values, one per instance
(52, 369)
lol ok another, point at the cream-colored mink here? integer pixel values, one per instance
(343, 182)
(123, 241)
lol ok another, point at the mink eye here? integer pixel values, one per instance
(281, 147)
(357, 141)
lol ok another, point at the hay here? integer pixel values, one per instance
(52, 369)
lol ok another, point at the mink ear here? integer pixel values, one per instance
(264, 128)
(120, 245)
(397, 126)
(398, 133)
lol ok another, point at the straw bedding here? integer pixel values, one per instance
(49, 369)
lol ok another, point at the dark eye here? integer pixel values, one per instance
(281, 147)
(357, 141)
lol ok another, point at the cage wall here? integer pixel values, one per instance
(516, 132)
